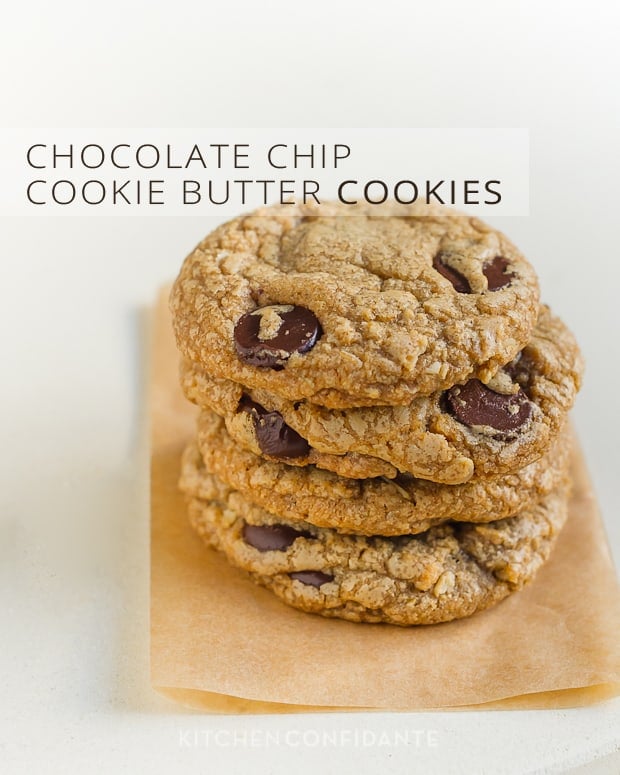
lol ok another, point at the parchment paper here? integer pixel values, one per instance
(222, 644)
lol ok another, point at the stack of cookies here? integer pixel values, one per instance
(382, 435)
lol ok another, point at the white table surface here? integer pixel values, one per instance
(74, 688)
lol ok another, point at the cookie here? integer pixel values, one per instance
(265, 433)
(354, 311)
(447, 437)
(364, 506)
(448, 572)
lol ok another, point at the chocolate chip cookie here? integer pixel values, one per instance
(356, 309)
(365, 506)
(264, 432)
(447, 572)
(489, 429)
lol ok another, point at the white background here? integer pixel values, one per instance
(74, 684)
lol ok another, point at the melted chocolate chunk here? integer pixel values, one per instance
(271, 538)
(456, 278)
(475, 404)
(288, 330)
(495, 272)
(273, 435)
(520, 370)
(313, 578)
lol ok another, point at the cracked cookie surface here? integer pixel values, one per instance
(449, 572)
(354, 310)
(365, 506)
(438, 437)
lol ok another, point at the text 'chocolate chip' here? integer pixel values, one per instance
(271, 538)
(313, 578)
(475, 404)
(273, 435)
(268, 336)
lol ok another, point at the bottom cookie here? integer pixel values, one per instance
(448, 572)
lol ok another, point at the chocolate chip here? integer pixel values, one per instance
(313, 578)
(520, 370)
(268, 336)
(456, 278)
(273, 435)
(495, 272)
(475, 404)
(271, 538)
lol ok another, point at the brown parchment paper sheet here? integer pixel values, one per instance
(222, 644)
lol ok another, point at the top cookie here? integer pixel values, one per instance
(354, 311)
